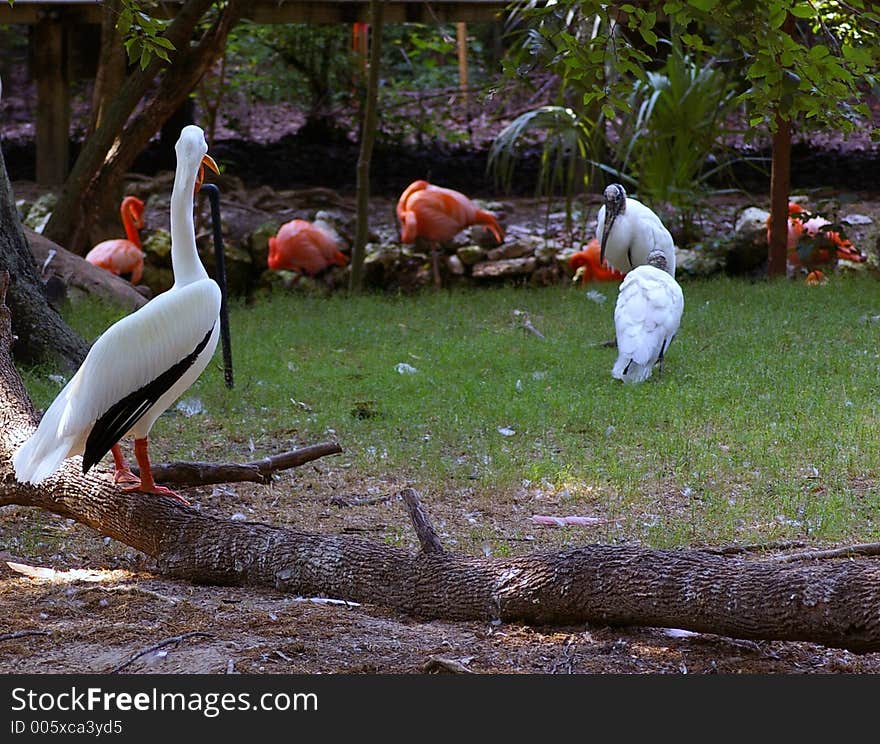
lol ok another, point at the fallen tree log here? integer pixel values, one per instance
(836, 603)
(77, 273)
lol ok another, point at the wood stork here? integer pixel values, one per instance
(646, 318)
(140, 364)
(438, 214)
(123, 255)
(628, 231)
(301, 246)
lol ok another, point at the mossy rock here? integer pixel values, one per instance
(40, 212)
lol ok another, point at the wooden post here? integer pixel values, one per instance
(461, 32)
(53, 100)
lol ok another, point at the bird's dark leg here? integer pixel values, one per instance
(660, 358)
(146, 483)
(123, 471)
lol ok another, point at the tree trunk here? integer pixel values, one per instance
(835, 603)
(113, 147)
(780, 185)
(43, 336)
(111, 64)
(368, 135)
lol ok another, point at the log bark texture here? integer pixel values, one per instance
(42, 333)
(836, 603)
(77, 273)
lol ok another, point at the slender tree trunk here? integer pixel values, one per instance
(780, 186)
(42, 335)
(368, 136)
(111, 64)
(836, 603)
(111, 150)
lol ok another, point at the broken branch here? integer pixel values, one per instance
(259, 471)
(421, 522)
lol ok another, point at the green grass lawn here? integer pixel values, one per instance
(762, 425)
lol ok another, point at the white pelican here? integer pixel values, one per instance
(143, 362)
(636, 232)
(646, 318)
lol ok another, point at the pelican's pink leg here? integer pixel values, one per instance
(147, 484)
(123, 471)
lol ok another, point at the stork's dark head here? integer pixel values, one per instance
(615, 199)
(657, 259)
(615, 204)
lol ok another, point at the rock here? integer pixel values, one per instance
(331, 229)
(482, 237)
(40, 212)
(157, 278)
(856, 219)
(258, 244)
(700, 261)
(454, 265)
(545, 252)
(470, 254)
(504, 268)
(509, 250)
(157, 247)
(239, 265)
(747, 251)
(546, 276)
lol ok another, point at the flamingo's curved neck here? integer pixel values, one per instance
(131, 232)
(184, 257)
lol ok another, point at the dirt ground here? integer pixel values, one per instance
(99, 607)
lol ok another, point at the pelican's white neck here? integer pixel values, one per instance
(185, 260)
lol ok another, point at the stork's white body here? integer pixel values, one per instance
(646, 318)
(637, 230)
(142, 363)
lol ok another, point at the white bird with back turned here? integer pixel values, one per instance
(637, 231)
(142, 363)
(646, 318)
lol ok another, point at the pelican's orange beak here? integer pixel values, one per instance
(207, 161)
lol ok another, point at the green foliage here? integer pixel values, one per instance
(564, 148)
(814, 70)
(142, 32)
(678, 121)
(706, 452)
(290, 62)
(420, 76)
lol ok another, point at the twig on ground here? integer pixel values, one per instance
(527, 323)
(847, 551)
(421, 522)
(22, 634)
(123, 589)
(357, 500)
(754, 547)
(157, 646)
